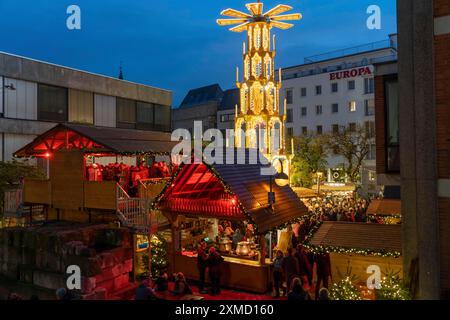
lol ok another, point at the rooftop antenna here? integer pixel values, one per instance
(121, 71)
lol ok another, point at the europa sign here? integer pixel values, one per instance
(350, 73)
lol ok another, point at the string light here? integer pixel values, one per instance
(344, 290)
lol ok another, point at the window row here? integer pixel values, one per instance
(43, 102)
(369, 128)
(369, 108)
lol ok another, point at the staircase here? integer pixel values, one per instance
(134, 213)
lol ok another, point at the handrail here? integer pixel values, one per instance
(13, 200)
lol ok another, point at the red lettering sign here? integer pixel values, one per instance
(350, 73)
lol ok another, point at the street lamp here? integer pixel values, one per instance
(319, 176)
(281, 179)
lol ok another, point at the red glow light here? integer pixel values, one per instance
(233, 201)
(47, 155)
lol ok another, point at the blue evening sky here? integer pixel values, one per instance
(176, 44)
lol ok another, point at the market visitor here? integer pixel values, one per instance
(202, 264)
(162, 282)
(63, 294)
(323, 271)
(290, 267)
(305, 267)
(297, 292)
(181, 286)
(144, 291)
(214, 262)
(324, 294)
(277, 265)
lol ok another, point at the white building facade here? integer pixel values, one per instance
(336, 90)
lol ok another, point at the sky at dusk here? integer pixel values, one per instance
(175, 44)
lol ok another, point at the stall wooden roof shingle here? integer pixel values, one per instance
(371, 236)
(114, 140)
(385, 207)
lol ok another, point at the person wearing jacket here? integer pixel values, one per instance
(290, 267)
(277, 265)
(201, 264)
(323, 271)
(214, 261)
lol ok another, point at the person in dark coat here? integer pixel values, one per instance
(305, 268)
(290, 267)
(277, 265)
(144, 292)
(297, 292)
(214, 261)
(201, 264)
(323, 271)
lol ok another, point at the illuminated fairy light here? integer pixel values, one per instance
(259, 109)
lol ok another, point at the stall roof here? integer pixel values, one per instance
(362, 236)
(251, 188)
(385, 207)
(98, 139)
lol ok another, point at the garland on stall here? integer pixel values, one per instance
(333, 249)
(386, 219)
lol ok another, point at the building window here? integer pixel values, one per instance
(392, 132)
(318, 90)
(289, 116)
(351, 85)
(334, 108)
(126, 113)
(319, 129)
(303, 92)
(372, 176)
(352, 106)
(371, 155)
(303, 111)
(289, 96)
(52, 103)
(368, 85)
(369, 107)
(226, 117)
(290, 132)
(334, 87)
(304, 131)
(370, 128)
(145, 116)
(352, 127)
(162, 117)
(318, 109)
(335, 128)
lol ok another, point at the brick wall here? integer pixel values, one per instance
(441, 8)
(442, 87)
(442, 66)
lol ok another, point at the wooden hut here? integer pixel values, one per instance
(359, 245)
(202, 194)
(68, 195)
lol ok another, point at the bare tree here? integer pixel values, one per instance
(352, 143)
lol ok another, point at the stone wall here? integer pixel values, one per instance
(39, 256)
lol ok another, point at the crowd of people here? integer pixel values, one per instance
(337, 208)
(296, 270)
(127, 176)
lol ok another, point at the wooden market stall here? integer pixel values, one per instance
(388, 211)
(81, 186)
(359, 245)
(201, 196)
